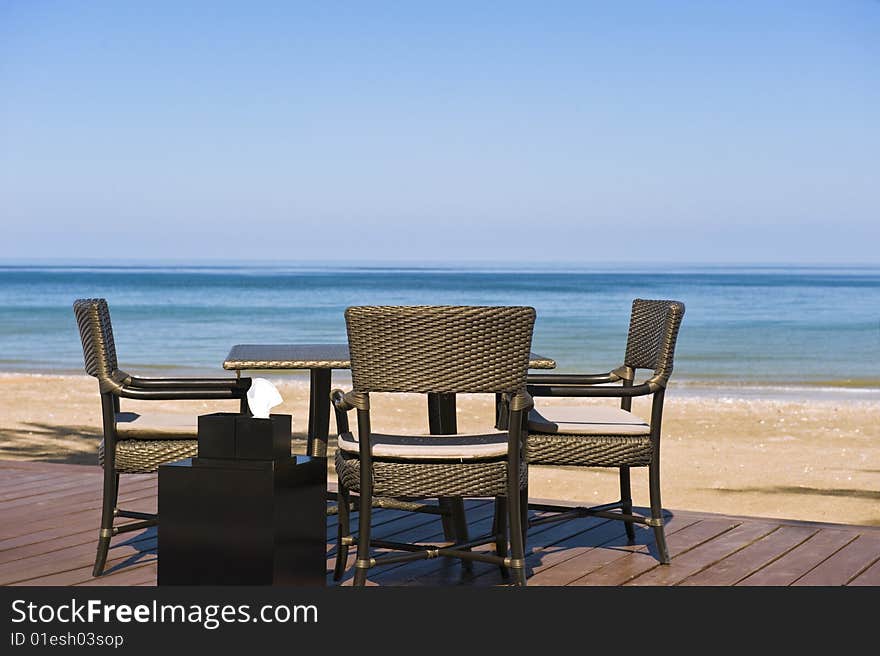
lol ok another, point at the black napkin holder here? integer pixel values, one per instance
(228, 436)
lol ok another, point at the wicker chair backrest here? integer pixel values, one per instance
(96, 333)
(439, 348)
(653, 331)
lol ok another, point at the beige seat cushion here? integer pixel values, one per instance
(490, 444)
(156, 426)
(586, 420)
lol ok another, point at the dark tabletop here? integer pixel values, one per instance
(313, 356)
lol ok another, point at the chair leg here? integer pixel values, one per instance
(460, 527)
(499, 529)
(657, 512)
(626, 502)
(446, 519)
(343, 520)
(365, 508)
(524, 513)
(454, 519)
(108, 512)
(459, 519)
(517, 543)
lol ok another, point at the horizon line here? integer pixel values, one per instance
(462, 265)
(413, 262)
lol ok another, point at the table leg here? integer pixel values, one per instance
(441, 414)
(319, 412)
(501, 410)
(442, 421)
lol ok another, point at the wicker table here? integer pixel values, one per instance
(320, 360)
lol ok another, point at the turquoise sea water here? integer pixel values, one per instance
(781, 326)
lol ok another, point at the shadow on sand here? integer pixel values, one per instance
(71, 445)
(813, 491)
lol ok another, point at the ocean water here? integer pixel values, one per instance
(776, 326)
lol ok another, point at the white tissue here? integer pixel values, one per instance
(262, 397)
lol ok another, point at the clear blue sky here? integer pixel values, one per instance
(584, 131)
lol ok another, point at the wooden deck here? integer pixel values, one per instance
(49, 518)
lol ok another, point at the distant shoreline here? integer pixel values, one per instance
(844, 390)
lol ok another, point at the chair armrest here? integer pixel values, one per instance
(176, 393)
(239, 384)
(337, 398)
(573, 379)
(649, 387)
(344, 402)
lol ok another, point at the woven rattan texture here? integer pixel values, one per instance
(590, 451)
(653, 330)
(439, 348)
(96, 333)
(429, 480)
(145, 456)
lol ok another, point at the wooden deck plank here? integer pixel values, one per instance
(800, 560)
(541, 539)
(21, 496)
(380, 516)
(62, 505)
(47, 528)
(752, 558)
(394, 524)
(590, 556)
(144, 574)
(846, 564)
(639, 561)
(8, 475)
(134, 551)
(70, 535)
(69, 492)
(440, 571)
(123, 564)
(89, 516)
(49, 517)
(40, 466)
(704, 556)
(84, 493)
(14, 481)
(870, 576)
(47, 563)
(48, 546)
(544, 541)
(781, 521)
(83, 575)
(542, 560)
(485, 573)
(424, 533)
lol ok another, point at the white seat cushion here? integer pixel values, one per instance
(490, 444)
(586, 420)
(156, 426)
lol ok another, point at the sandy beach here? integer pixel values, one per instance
(810, 459)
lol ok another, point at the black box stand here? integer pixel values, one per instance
(257, 518)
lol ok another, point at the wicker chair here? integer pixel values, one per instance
(602, 436)
(434, 350)
(134, 444)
